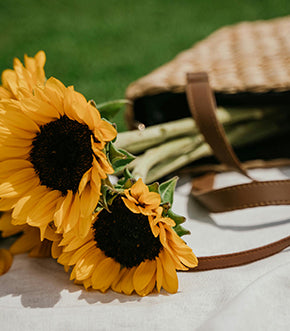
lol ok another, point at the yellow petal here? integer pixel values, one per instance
(159, 274)
(84, 181)
(150, 286)
(84, 226)
(143, 275)
(39, 93)
(26, 242)
(6, 227)
(27, 203)
(145, 210)
(56, 250)
(87, 283)
(95, 180)
(44, 211)
(19, 183)
(129, 197)
(127, 285)
(13, 141)
(138, 188)
(86, 265)
(5, 94)
(71, 242)
(17, 122)
(7, 204)
(116, 285)
(167, 263)
(40, 58)
(24, 77)
(39, 111)
(169, 283)
(9, 81)
(162, 236)
(105, 274)
(30, 63)
(107, 130)
(70, 105)
(43, 249)
(9, 167)
(170, 280)
(51, 234)
(82, 251)
(24, 92)
(62, 209)
(189, 259)
(64, 259)
(99, 165)
(55, 98)
(131, 206)
(151, 198)
(7, 152)
(88, 201)
(6, 259)
(73, 214)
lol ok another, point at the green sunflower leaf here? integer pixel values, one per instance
(178, 219)
(121, 164)
(180, 230)
(167, 190)
(103, 199)
(110, 109)
(109, 193)
(114, 153)
(119, 158)
(125, 181)
(111, 199)
(154, 187)
(127, 174)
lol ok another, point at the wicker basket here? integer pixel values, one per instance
(248, 63)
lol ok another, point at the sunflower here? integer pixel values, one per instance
(28, 76)
(121, 251)
(28, 241)
(52, 158)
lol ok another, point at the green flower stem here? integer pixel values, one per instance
(151, 157)
(238, 135)
(137, 141)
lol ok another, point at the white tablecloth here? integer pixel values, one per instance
(36, 294)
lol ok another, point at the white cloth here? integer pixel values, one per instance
(36, 294)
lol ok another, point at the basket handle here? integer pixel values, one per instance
(256, 193)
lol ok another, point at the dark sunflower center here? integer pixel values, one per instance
(124, 236)
(61, 153)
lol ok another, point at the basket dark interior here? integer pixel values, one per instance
(165, 107)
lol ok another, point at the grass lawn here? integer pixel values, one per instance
(102, 46)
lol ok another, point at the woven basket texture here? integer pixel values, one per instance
(246, 57)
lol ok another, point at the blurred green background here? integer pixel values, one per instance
(102, 46)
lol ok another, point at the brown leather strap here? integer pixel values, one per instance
(254, 194)
(202, 105)
(241, 258)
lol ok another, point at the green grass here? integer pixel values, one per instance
(102, 46)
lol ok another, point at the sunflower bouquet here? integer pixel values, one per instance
(57, 152)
